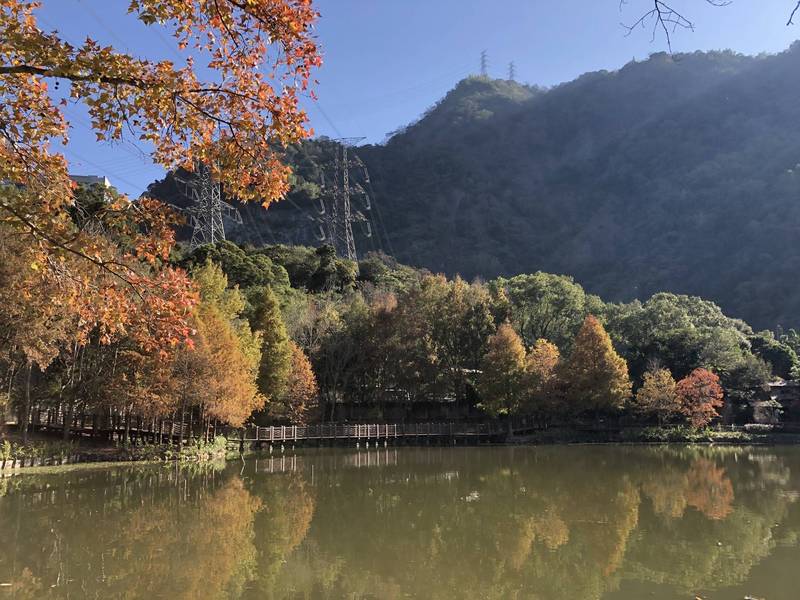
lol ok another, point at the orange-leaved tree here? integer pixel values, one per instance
(658, 395)
(596, 377)
(699, 396)
(257, 57)
(228, 347)
(541, 375)
(300, 393)
(501, 384)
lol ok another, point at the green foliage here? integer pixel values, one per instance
(243, 268)
(781, 356)
(675, 173)
(685, 433)
(384, 272)
(276, 354)
(40, 449)
(6, 450)
(547, 306)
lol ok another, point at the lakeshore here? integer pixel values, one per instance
(45, 453)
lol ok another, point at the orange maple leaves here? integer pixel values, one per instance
(110, 267)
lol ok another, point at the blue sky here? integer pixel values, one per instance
(386, 61)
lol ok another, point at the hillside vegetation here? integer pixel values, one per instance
(675, 174)
(678, 173)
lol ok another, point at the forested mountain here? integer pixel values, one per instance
(678, 173)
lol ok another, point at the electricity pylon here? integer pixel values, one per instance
(208, 208)
(337, 214)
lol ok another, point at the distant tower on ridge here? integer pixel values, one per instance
(484, 63)
(512, 72)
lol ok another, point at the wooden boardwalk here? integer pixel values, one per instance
(334, 432)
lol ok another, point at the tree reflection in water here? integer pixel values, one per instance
(549, 522)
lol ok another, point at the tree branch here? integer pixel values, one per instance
(65, 74)
(794, 12)
(103, 265)
(667, 19)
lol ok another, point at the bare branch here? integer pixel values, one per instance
(664, 17)
(794, 12)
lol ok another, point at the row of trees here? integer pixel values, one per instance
(593, 378)
(226, 367)
(94, 316)
(289, 334)
(386, 335)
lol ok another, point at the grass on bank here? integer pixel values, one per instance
(193, 450)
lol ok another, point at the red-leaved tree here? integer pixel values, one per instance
(699, 396)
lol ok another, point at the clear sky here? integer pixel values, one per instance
(386, 61)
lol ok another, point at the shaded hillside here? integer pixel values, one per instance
(676, 173)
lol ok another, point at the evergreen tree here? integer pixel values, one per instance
(596, 376)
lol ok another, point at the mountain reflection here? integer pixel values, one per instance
(560, 522)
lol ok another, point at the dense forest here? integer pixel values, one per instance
(380, 332)
(295, 334)
(678, 173)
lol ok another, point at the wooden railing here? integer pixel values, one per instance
(360, 431)
(164, 429)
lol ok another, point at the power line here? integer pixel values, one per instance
(102, 24)
(327, 118)
(96, 166)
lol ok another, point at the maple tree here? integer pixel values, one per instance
(699, 396)
(658, 395)
(596, 376)
(259, 55)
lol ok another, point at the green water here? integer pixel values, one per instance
(576, 522)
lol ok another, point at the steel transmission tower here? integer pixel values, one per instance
(208, 209)
(484, 63)
(337, 214)
(512, 71)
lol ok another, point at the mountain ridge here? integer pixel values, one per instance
(675, 173)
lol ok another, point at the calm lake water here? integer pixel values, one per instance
(574, 522)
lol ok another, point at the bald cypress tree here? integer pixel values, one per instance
(501, 384)
(596, 376)
(276, 352)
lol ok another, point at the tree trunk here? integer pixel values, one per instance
(191, 423)
(127, 434)
(26, 408)
(180, 433)
(7, 404)
(68, 416)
